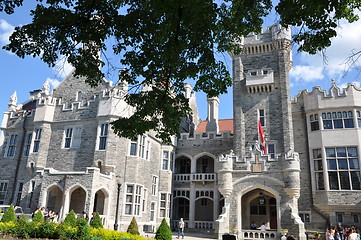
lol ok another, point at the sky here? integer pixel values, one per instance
(24, 75)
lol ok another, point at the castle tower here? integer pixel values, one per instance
(266, 170)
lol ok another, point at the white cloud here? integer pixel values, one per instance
(62, 67)
(53, 82)
(306, 73)
(6, 29)
(347, 41)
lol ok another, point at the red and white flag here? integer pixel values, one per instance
(261, 137)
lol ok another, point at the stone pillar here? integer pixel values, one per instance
(212, 125)
(192, 206)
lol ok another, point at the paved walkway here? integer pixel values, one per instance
(190, 236)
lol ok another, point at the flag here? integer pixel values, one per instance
(261, 137)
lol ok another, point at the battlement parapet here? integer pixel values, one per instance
(209, 135)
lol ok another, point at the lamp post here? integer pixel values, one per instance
(117, 209)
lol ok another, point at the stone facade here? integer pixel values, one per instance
(59, 151)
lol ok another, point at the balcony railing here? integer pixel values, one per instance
(258, 234)
(208, 177)
(204, 177)
(204, 224)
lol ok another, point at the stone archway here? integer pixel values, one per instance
(205, 164)
(100, 202)
(259, 206)
(77, 200)
(54, 200)
(181, 208)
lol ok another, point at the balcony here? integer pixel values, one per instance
(203, 177)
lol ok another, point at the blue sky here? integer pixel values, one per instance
(24, 75)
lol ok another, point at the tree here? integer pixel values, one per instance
(163, 44)
(9, 215)
(38, 217)
(133, 227)
(96, 221)
(163, 232)
(70, 219)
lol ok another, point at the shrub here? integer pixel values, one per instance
(83, 229)
(133, 227)
(70, 219)
(8, 227)
(38, 217)
(163, 231)
(96, 221)
(66, 231)
(24, 228)
(104, 234)
(9, 215)
(47, 230)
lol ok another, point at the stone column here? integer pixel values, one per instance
(192, 207)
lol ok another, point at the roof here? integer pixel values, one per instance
(223, 124)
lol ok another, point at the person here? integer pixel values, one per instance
(253, 226)
(353, 235)
(85, 215)
(340, 231)
(291, 237)
(181, 228)
(263, 227)
(92, 218)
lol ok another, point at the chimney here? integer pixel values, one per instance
(212, 125)
(187, 90)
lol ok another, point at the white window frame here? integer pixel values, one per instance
(73, 134)
(153, 212)
(274, 157)
(145, 198)
(263, 117)
(4, 185)
(154, 185)
(165, 159)
(102, 134)
(11, 146)
(29, 138)
(133, 199)
(164, 204)
(36, 139)
(140, 147)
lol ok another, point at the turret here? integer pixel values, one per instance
(212, 125)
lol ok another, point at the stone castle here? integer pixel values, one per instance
(60, 152)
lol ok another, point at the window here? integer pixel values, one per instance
(72, 137)
(355, 218)
(154, 185)
(339, 217)
(28, 144)
(261, 115)
(103, 136)
(133, 199)
(38, 132)
(163, 204)
(253, 73)
(140, 147)
(334, 120)
(258, 210)
(11, 145)
(165, 160)
(144, 200)
(271, 151)
(305, 217)
(18, 193)
(152, 211)
(314, 122)
(318, 167)
(343, 168)
(204, 201)
(31, 193)
(133, 148)
(358, 118)
(3, 189)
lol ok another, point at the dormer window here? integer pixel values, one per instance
(265, 72)
(253, 73)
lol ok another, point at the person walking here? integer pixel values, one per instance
(181, 228)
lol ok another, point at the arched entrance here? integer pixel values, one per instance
(100, 202)
(54, 199)
(205, 164)
(182, 165)
(204, 213)
(181, 208)
(259, 206)
(77, 200)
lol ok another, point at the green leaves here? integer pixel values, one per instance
(163, 44)
(318, 20)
